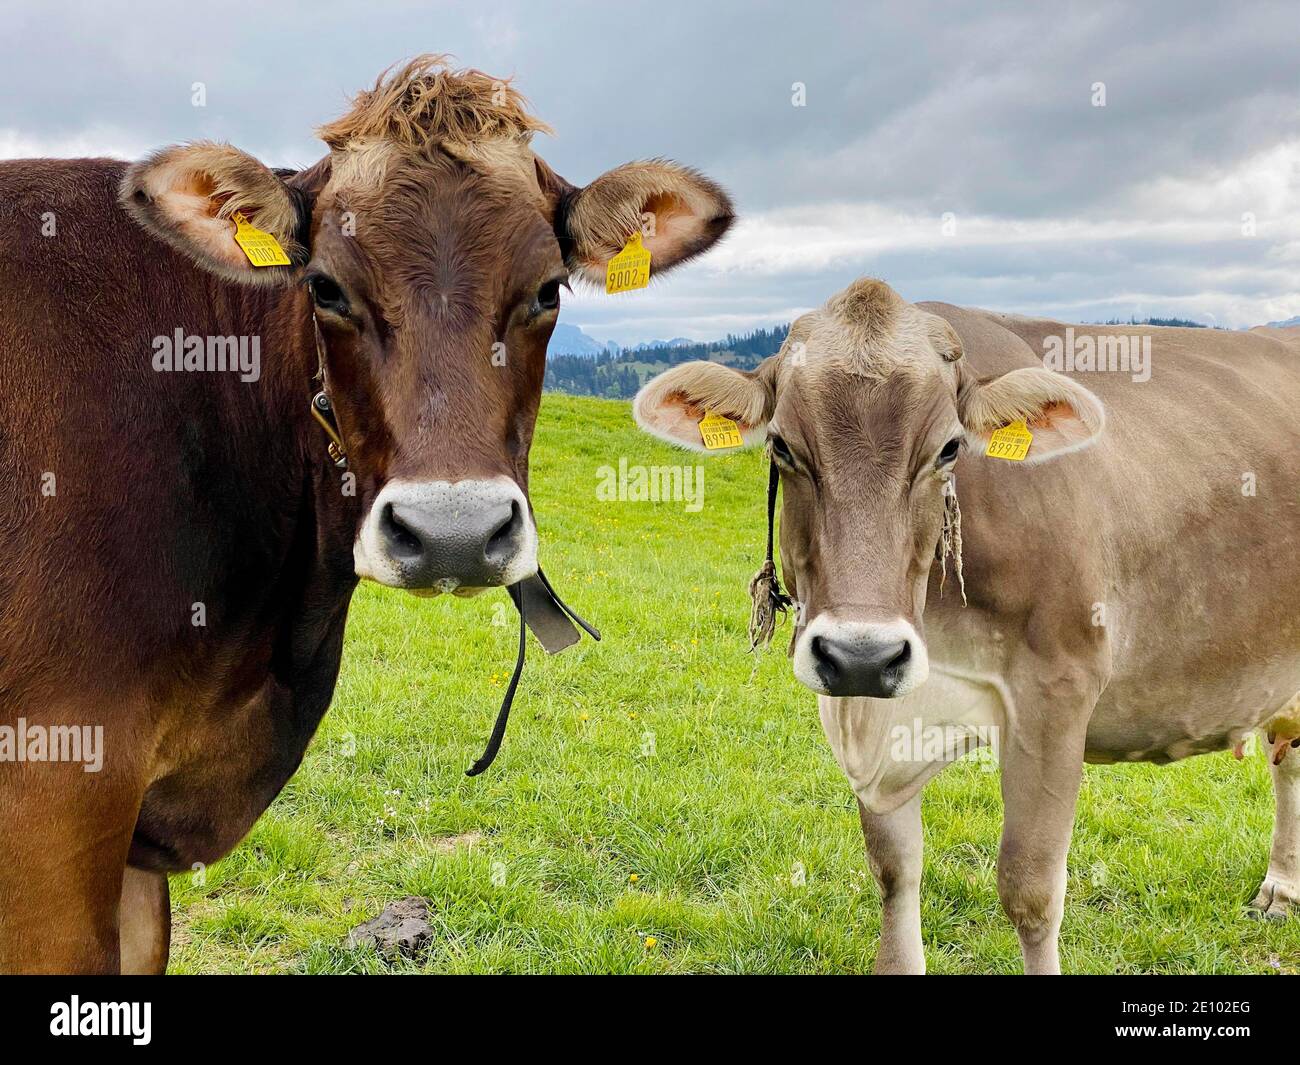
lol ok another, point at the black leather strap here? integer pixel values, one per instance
(773, 483)
(548, 616)
(503, 715)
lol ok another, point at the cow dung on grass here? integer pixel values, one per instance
(402, 929)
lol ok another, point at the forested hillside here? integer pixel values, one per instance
(618, 374)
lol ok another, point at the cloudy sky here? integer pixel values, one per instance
(962, 156)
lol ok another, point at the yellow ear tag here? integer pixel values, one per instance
(630, 268)
(1011, 442)
(261, 248)
(719, 432)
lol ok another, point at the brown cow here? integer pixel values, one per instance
(1127, 591)
(179, 548)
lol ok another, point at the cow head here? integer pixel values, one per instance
(865, 410)
(432, 245)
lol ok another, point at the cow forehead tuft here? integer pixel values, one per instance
(867, 329)
(869, 308)
(426, 111)
(426, 100)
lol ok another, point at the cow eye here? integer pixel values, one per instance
(949, 451)
(327, 295)
(781, 451)
(548, 296)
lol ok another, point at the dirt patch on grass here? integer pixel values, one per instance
(449, 844)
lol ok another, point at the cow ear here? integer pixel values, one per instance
(1062, 416)
(678, 211)
(671, 405)
(188, 195)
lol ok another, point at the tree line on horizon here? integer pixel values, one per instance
(619, 374)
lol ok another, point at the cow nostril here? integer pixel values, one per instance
(504, 542)
(402, 541)
(823, 656)
(902, 658)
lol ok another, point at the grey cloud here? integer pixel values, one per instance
(918, 108)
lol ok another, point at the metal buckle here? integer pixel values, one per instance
(323, 411)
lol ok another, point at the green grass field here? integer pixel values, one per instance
(665, 801)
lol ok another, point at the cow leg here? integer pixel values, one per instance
(894, 851)
(62, 926)
(1280, 892)
(1042, 768)
(145, 923)
(1039, 819)
(64, 838)
(60, 882)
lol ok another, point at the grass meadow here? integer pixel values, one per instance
(665, 801)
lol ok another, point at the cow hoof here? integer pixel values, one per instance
(1273, 903)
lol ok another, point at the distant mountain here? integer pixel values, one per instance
(1284, 325)
(571, 340)
(676, 342)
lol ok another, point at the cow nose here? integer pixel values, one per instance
(443, 536)
(860, 667)
(472, 548)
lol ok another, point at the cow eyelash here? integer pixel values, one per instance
(548, 296)
(547, 299)
(327, 295)
(781, 451)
